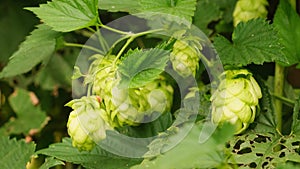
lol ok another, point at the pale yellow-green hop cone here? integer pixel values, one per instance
(184, 58)
(133, 105)
(85, 124)
(236, 99)
(249, 9)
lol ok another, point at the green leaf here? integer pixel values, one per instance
(182, 8)
(15, 154)
(56, 73)
(51, 162)
(189, 153)
(140, 67)
(29, 116)
(253, 42)
(66, 16)
(205, 13)
(90, 160)
(287, 22)
(264, 150)
(37, 47)
(19, 22)
(131, 6)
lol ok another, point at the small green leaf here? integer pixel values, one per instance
(29, 116)
(287, 22)
(91, 160)
(37, 47)
(253, 42)
(77, 74)
(51, 162)
(141, 67)
(66, 16)
(15, 154)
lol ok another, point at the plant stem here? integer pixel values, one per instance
(278, 91)
(83, 46)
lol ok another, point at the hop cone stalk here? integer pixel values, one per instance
(184, 58)
(249, 9)
(236, 99)
(85, 124)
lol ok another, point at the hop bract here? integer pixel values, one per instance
(85, 124)
(249, 9)
(236, 99)
(184, 58)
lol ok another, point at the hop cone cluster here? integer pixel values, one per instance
(249, 9)
(86, 124)
(129, 106)
(236, 99)
(184, 58)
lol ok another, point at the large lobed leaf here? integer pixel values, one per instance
(182, 8)
(264, 150)
(95, 159)
(255, 41)
(287, 22)
(15, 154)
(66, 16)
(141, 67)
(37, 47)
(29, 116)
(189, 153)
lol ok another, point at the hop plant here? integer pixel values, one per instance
(184, 58)
(236, 99)
(86, 124)
(249, 9)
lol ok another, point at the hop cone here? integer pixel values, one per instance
(138, 105)
(184, 58)
(236, 99)
(86, 124)
(249, 9)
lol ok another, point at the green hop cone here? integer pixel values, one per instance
(135, 105)
(236, 99)
(184, 58)
(249, 9)
(104, 76)
(85, 124)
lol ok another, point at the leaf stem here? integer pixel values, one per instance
(285, 100)
(278, 91)
(115, 30)
(83, 46)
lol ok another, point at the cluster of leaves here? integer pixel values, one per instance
(36, 82)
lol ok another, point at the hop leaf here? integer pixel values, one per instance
(236, 99)
(86, 124)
